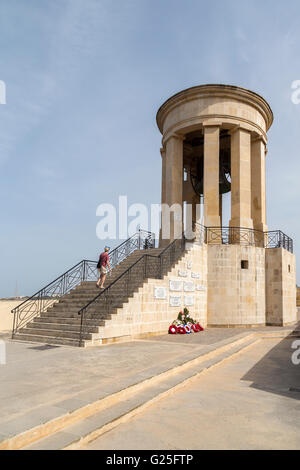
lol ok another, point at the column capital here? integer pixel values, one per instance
(259, 138)
(239, 127)
(211, 123)
(179, 137)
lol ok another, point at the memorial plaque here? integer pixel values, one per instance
(189, 264)
(160, 293)
(200, 287)
(182, 273)
(195, 275)
(175, 300)
(188, 300)
(189, 286)
(175, 285)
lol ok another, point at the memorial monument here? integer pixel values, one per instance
(214, 141)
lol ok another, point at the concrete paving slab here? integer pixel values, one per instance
(87, 427)
(34, 380)
(242, 404)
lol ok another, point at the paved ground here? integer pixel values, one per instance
(250, 402)
(41, 382)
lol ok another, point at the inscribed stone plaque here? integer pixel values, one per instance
(200, 287)
(175, 300)
(189, 286)
(188, 300)
(160, 293)
(182, 273)
(189, 264)
(175, 285)
(195, 275)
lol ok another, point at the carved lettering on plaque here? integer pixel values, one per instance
(188, 300)
(189, 286)
(175, 285)
(160, 293)
(175, 300)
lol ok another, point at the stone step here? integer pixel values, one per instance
(101, 300)
(74, 314)
(55, 333)
(97, 307)
(55, 340)
(88, 328)
(119, 283)
(68, 320)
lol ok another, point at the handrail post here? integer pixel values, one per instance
(160, 268)
(83, 271)
(81, 327)
(14, 321)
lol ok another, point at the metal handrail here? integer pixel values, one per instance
(156, 273)
(246, 236)
(82, 271)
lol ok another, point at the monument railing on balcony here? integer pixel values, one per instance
(243, 236)
(278, 239)
(85, 270)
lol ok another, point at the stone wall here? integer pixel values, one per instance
(6, 317)
(236, 294)
(280, 287)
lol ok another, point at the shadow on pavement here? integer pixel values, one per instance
(275, 372)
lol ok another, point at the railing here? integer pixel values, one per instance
(234, 235)
(116, 293)
(85, 270)
(243, 236)
(278, 239)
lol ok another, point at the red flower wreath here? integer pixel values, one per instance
(181, 330)
(173, 330)
(195, 329)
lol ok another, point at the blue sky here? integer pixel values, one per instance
(84, 80)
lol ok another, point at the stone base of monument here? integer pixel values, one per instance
(221, 285)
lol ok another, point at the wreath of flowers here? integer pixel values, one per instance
(181, 330)
(173, 330)
(184, 324)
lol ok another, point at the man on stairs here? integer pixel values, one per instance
(103, 266)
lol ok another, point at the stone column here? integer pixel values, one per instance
(172, 223)
(163, 185)
(241, 179)
(221, 208)
(192, 209)
(211, 175)
(258, 184)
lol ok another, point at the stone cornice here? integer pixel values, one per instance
(224, 119)
(227, 91)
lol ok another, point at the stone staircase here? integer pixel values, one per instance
(60, 324)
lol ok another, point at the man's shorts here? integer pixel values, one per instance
(103, 270)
